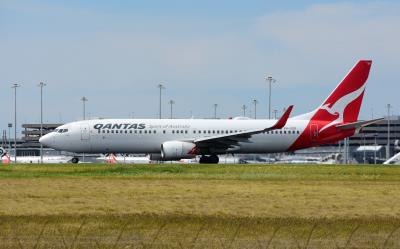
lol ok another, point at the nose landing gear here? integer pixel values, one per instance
(213, 159)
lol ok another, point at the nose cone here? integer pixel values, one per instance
(46, 140)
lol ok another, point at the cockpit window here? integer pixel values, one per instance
(61, 130)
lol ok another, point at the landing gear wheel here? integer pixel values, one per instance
(214, 159)
(204, 159)
(209, 159)
(74, 160)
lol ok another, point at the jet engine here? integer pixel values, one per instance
(176, 150)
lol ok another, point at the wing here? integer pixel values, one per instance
(230, 142)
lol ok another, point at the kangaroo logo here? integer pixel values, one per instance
(337, 108)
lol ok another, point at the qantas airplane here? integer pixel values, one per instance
(175, 139)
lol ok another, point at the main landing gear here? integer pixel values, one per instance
(74, 160)
(209, 159)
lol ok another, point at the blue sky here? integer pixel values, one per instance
(205, 52)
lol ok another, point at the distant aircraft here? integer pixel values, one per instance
(176, 139)
(5, 158)
(112, 159)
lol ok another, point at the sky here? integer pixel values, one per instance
(206, 52)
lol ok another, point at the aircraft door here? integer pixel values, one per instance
(314, 132)
(85, 133)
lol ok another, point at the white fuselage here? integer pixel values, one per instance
(147, 135)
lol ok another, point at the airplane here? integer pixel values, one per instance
(175, 139)
(113, 159)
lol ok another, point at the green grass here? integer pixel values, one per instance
(195, 171)
(199, 206)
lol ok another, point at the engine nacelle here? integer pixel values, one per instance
(176, 150)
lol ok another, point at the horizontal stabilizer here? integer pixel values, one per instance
(3, 152)
(358, 125)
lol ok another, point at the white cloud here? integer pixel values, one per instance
(331, 33)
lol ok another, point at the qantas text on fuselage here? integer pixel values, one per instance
(174, 139)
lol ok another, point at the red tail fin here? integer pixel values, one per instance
(341, 107)
(345, 100)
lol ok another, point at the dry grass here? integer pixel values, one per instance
(239, 198)
(173, 206)
(146, 231)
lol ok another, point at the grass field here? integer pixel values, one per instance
(199, 206)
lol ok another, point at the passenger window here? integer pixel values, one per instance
(163, 131)
(154, 131)
(145, 131)
(284, 132)
(209, 131)
(140, 131)
(182, 131)
(135, 131)
(130, 131)
(112, 131)
(126, 131)
(194, 132)
(213, 131)
(103, 131)
(173, 131)
(199, 132)
(108, 131)
(217, 131)
(185, 131)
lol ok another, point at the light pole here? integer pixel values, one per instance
(161, 87)
(9, 136)
(275, 112)
(41, 85)
(84, 100)
(375, 135)
(244, 107)
(388, 131)
(215, 111)
(345, 145)
(255, 102)
(171, 102)
(15, 86)
(364, 152)
(270, 80)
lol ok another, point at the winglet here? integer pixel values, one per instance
(282, 121)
